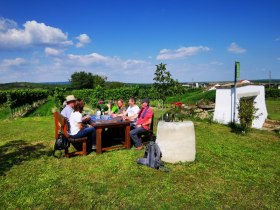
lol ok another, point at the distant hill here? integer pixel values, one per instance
(30, 85)
(52, 85)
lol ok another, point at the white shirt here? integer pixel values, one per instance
(75, 118)
(132, 110)
(66, 112)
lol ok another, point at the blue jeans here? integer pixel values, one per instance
(134, 135)
(86, 132)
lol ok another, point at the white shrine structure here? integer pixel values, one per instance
(226, 97)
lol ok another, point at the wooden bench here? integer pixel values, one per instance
(62, 125)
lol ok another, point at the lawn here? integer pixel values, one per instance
(273, 108)
(230, 172)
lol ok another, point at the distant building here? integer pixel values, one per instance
(214, 87)
(245, 81)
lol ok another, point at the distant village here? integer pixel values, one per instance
(216, 85)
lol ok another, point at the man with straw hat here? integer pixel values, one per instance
(69, 108)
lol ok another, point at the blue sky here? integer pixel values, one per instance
(199, 40)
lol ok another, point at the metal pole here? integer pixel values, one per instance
(269, 79)
(234, 95)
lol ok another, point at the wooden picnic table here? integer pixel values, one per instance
(100, 125)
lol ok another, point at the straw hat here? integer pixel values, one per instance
(70, 98)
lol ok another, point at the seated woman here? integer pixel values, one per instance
(77, 128)
(121, 107)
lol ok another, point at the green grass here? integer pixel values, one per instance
(44, 110)
(4, 112)
(230, 172)
(194, 96)
(273, 108)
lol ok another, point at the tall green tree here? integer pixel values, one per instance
(99, 80)
(87, 80)
(114, 84)
(164, 84)
(82, 80)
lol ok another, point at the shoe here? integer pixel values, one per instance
(140, 147)
(93, 146)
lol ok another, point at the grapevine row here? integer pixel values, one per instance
(17, 98)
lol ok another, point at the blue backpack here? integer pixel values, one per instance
(152, 157)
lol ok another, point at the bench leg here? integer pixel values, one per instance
(84, 147)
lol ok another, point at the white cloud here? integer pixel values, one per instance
(32, 34)
(89, 59)
(218, 63)
(116, 69)
(12, 62)
(12, 69)
(166, 54)
(83, 39)
(6, 24)
(234, 48)
(106, 62)
(52, 51)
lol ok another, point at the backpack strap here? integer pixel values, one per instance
(143, 161)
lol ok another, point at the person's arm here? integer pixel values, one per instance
(80, 125)
(133, 117)
(122, 112)
(86, 118)
(148, 122)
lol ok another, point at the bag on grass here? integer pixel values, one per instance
(152, 157)
(61, 143)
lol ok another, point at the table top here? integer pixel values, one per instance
(114, 121)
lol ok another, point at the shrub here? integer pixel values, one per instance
(246, 113)
(272, 93)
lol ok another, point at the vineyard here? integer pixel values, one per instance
(20, 102)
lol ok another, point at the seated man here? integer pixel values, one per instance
(143, 123)
(132, 112)
(69, 108)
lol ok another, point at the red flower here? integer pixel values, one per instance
(179, 104)
(100, 102)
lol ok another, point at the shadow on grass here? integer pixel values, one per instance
(17, 151)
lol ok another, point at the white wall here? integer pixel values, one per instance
(224, 106)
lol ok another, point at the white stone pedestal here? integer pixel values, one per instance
(176, 141)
